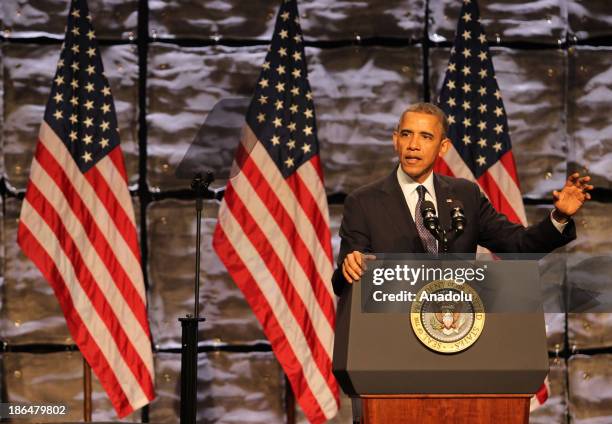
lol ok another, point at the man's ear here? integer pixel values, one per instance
(395, 140)
(445, 144)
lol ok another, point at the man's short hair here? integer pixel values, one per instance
(430, 109)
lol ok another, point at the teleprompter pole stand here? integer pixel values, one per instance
(189, 324)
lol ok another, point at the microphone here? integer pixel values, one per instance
(457, 217)
(430, 219)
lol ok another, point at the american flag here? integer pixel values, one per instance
(481, 150)
(273, 229)
(478, 127)
(77, 222)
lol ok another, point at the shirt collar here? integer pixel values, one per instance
(410, 185)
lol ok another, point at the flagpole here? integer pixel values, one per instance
(289, 401)
(86, 391)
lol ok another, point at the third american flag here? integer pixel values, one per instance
(478, 127)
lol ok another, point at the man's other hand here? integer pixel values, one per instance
(354, 265)
(572, 196)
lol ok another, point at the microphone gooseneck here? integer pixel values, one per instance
(457, 217)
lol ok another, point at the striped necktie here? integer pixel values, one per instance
(428, 240)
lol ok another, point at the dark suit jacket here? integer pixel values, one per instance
(377, 219)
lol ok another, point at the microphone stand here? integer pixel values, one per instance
(189, 323)
(441, 235)
(444, 241)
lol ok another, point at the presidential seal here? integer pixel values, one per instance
(447, 317)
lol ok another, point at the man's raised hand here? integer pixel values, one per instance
(572, 196)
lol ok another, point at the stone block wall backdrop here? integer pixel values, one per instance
(170, 61)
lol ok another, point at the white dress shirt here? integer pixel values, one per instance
(409, 188)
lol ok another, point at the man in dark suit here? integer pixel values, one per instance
(385, 217)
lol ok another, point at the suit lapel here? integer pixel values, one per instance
(395, 206)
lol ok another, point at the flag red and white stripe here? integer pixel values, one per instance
(273, 236)
(499, 183)
(80, 232)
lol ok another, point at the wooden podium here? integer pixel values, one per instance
(378, 358)
(435, 409)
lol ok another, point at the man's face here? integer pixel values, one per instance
(418, 142)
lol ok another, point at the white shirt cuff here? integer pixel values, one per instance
(558, 225)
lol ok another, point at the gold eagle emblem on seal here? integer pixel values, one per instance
(447, 317)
